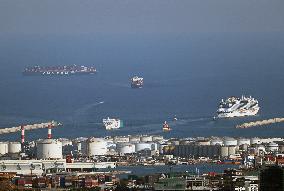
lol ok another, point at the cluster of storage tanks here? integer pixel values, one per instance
(223, 147)
(10, 147)
(90, 147)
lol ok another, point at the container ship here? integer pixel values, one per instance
(137, 82)
(59, 70)
(112, 123)
(237, 107)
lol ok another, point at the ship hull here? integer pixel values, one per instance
(238, 114)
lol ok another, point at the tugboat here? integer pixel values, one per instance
(137, 82)
(166, 127)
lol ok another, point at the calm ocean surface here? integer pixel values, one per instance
(184, 76)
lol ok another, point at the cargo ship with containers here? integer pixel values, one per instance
(65, 70)
(237, 107)
(137, 82)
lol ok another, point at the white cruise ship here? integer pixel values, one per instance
(112, 123)
(238, 107)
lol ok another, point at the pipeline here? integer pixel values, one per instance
(29, 127)
(260, 123)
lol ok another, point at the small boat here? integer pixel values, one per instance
(166, 127)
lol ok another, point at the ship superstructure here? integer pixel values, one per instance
(166, 127)
(137, 82)
(59, 70)
(238, 107)
(112, 123)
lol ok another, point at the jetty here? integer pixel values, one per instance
(260, 123)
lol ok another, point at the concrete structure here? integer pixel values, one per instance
(49, 149)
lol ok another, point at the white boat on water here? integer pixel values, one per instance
(112, 123)
(238, 107)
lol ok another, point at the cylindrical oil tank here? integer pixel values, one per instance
(272, 147)
(121, 139)
(242, 141)
(157, 138)
(203, 142)
(97, 146)
(3, 148)
(232, 150)
(255, 140)
(216, 142)
(143, 146)
(224, 151)
(146, 138)
(65, 141)
(125, 148)
(134, 139)
(14, 147)
(49, 149)
(230, 142)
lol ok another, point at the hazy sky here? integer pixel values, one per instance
(139, 17)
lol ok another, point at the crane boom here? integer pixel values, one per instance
(30, 127)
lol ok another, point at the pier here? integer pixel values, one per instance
(260, 123)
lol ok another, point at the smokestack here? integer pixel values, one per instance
(22, 134)
(49, 132)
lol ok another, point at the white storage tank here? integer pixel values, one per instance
(224, 151)
(14, 147)
(157, 138)
(232, 150)
(203, 142)
(125, 148)
(230, 142)
(243, 141)
(65, 141)
(121, 139)
(216, 142)
(272, 147)
(146, 138)
(134, 139)
(97, 146)
(143, 146)
(3, 148)
(49, 149)
(255, 140)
